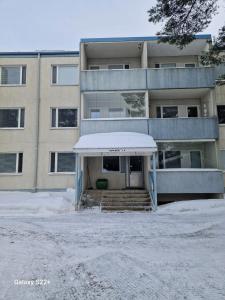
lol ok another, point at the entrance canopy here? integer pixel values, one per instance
(115, 144)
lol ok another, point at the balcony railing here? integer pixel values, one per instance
(191, 181)
(184, 129)
(113, 80)
(159, 129)
(181, 78)
(151, 79)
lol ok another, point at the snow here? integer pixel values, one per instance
(175, 253)
(115, 140)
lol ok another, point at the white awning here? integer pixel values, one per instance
(115, 144)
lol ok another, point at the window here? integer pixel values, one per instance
(195, 157)
(221, 113)
(167, 112)
(116, 113)
(11, 163)
(168, 65)
(172, 159)
(12, 118)
(62, 162)
(13, 75)
(64, 117)
(114, 104)
(192, 111)
(65, 75)
(118, 67)
(95, 113)
(111, 164)
(179, 159)
(94, 67)
(189, 65)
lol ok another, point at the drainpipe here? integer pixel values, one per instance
(37, 112)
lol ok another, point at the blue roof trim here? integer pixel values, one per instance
(42, 53)
(136, 39)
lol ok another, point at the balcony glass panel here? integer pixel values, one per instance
(114, 105)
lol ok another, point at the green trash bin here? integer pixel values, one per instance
(102, 184)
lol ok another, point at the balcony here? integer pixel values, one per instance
(190, 181)
(159, 129)
(151, 79)
(113, 80)
(184, 129)
(181, 78)
(120, 125)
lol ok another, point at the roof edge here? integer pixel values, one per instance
(136, 39)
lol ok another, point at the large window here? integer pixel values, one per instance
(114, 105)
(179, 159)
(167, 111)
(221, 113)
(11, 163)
(64, 117)
(13, 75)
(62, 162)
(111, 164)
(65, 75)
(12, 118)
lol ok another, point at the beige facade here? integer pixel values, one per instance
(38, 139)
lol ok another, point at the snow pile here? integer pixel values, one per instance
(41, 203)
(190, 207)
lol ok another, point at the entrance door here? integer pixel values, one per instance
(134, 172)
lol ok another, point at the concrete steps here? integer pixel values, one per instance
(125, 200)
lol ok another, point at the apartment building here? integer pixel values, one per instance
(141, 114)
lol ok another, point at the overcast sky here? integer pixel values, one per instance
(59, 24)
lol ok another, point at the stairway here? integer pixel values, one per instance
(125, 200)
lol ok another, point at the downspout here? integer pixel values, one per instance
(37, 111)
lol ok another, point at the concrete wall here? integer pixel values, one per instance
(61, 139)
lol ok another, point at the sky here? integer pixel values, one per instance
(27, 25)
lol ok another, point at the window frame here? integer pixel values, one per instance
(57, 117)
(181, 150)
(217, 108)
(57, 74)
(17, 164)
(161, 111)
(94, 66)
(185, 65)
(172, 63)
(198, 110)
(56, 164)
(21, 75)
(106, 171)
(90, 110)
(19, 118)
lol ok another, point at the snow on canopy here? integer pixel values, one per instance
(114, 141)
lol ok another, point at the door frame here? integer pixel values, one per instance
(128, 173)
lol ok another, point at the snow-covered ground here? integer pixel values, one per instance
(176, 253)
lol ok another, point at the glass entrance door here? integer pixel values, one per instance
(134, 178)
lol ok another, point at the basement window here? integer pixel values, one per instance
(11, 163)
(12, 117)
(13, 75)
(62, 162)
